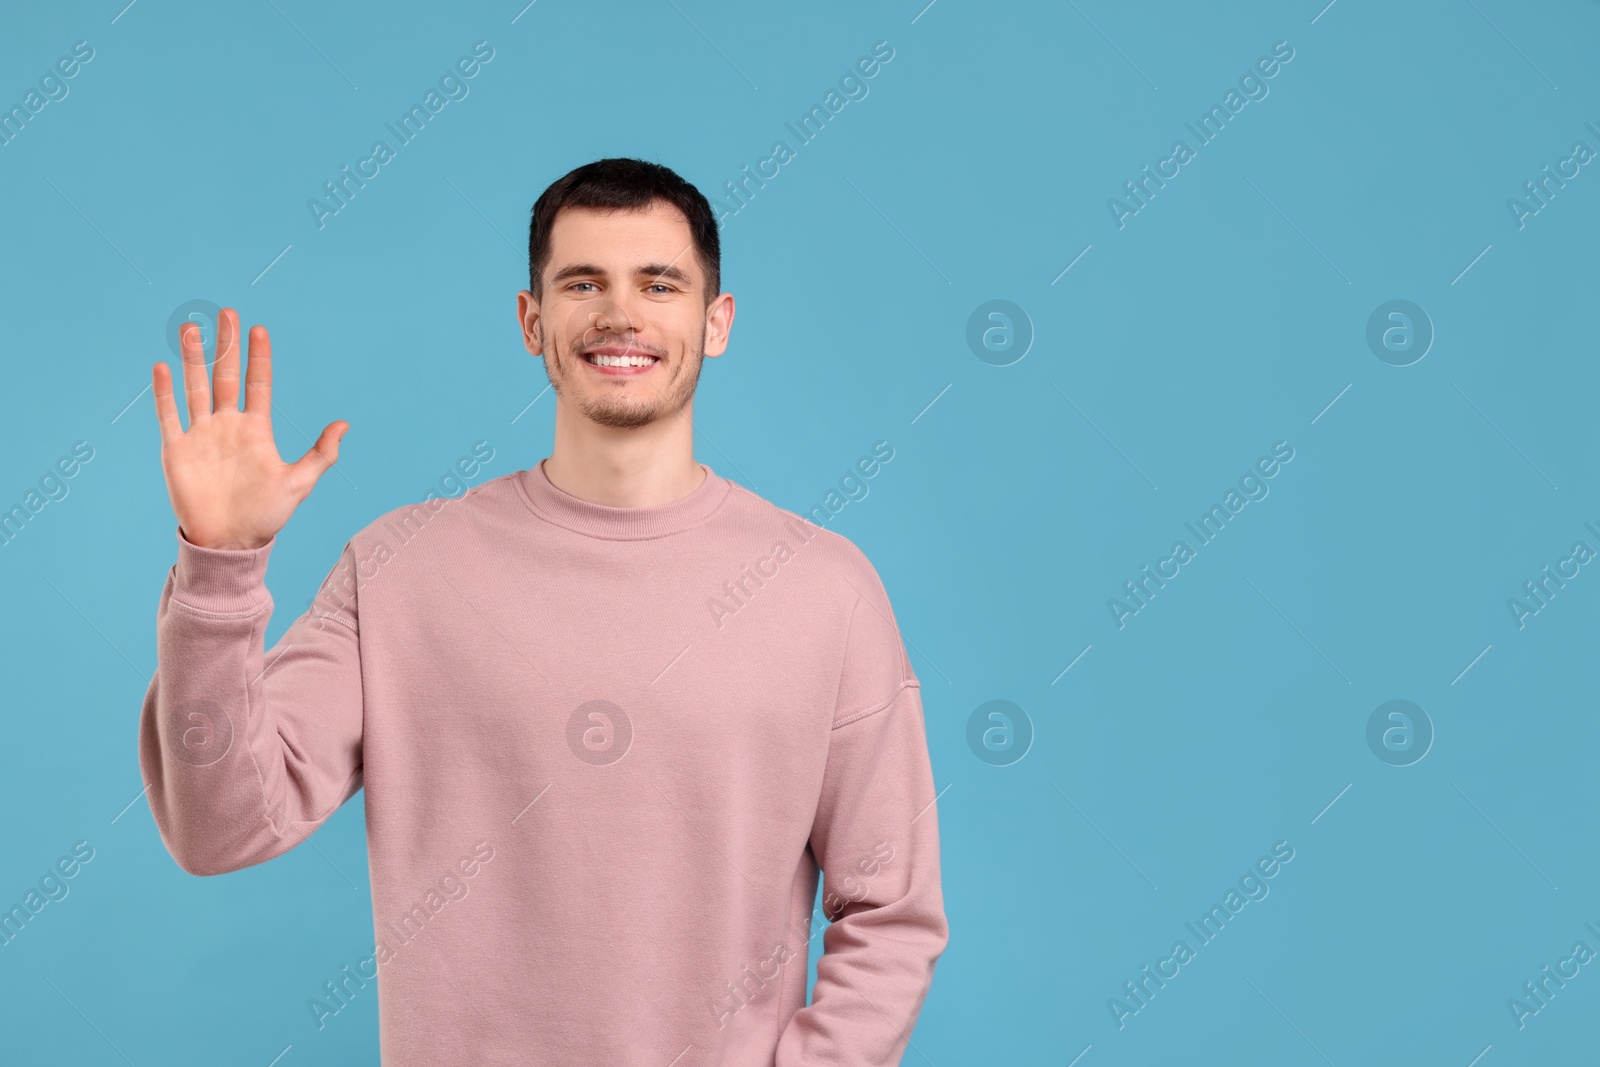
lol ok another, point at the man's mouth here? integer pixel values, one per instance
(617, 359)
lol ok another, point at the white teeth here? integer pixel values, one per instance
(622, 361)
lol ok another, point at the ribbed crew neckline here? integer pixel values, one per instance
(615, 523)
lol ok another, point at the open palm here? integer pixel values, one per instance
(228, 485)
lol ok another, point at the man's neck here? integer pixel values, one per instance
(625, 473)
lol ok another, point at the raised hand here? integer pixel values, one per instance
(229, 487)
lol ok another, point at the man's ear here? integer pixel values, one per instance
(528, 319)
(719, 323)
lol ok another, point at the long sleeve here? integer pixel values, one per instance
(876, 838)
(245, 753)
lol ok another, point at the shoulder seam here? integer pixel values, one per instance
(904, 685)
(335, 618)
(844, 661)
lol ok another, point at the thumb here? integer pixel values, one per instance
(323, 454)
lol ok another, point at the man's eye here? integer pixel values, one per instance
(662, 286)
(574, 285)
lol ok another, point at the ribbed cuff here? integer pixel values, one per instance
(220, 579)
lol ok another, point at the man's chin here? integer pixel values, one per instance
(622, 417)
(622, 413)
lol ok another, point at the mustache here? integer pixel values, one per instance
(584, 349)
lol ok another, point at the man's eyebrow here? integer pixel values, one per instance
(575, 270)
(648, 270)
(665, 270)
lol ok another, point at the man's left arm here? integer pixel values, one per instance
(876, 838)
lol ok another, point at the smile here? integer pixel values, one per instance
(620, 361)
(634, 360)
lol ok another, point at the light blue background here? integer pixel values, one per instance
(1225, 316)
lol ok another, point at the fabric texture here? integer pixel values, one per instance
(605, 752)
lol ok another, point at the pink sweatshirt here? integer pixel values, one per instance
(605, 751)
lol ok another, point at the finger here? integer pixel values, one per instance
(225, 372)
(258, 373)
(196, 386)
(166, 407)
(323, 454)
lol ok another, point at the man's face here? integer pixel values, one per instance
(624, 323)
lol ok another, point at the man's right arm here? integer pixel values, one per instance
(246, 753)
(243, 754)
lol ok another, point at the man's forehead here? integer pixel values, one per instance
(622, 239)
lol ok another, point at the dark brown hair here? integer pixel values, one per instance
(624, 184)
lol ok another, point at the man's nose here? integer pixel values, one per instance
(603, 317)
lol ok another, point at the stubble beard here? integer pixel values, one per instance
(625, 413)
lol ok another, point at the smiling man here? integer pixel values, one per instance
(635, 803)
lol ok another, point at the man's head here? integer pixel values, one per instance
(624, 265)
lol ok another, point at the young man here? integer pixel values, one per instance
(611, 712)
